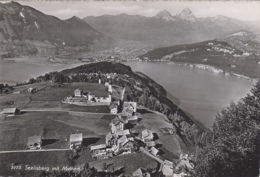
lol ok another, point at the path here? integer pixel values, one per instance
(40, 150)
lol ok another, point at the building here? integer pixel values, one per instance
(76, 140)
(111, 139)
(78, 92)
(129, 108)
(10, 111)
(116, 125)
(147, 135)
(167, 168)
(122, 133)
(98, 151)
(32, 90)
(113, 108)
(101, 98)
(98, 147)
(34, 142)
(122, 141)
(154, 151)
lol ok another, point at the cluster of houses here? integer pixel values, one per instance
(119, 140)
(86, 97)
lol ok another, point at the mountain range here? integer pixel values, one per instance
(25, 31)
(165, 29)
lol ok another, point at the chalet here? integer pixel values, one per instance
(122, 133)
(133, 119)
(147, 135)
(154, 151)
(110, 139)
(98, 151)
(97, 147)
(116, 125)
(34, 142)
(32, 90)
(99, 98)
(129, 108)
(167, 168)
(122, 141)
(113, 108)
(150, 144)
(76, 140)
(78, 93)
(10, 111)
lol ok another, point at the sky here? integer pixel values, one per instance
(64, 9)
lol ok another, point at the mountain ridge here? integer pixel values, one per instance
(26, 31)
(165, 29)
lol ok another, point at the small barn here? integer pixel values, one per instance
(10, 111)
(76, 140)
(32, 90)
(34, 142)
(147, 135)
(78, 92)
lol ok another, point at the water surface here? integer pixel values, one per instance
(200, 93)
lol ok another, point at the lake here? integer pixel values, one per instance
(17, 72)
(200, 93)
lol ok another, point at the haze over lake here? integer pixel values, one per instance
(200, 93)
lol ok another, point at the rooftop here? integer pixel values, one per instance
(76, 137)
(34, 139)
(9, 110)
(96, 147)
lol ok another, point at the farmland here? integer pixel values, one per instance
(43, 114)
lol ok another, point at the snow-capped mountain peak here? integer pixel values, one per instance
(164, 15)
(187, 15)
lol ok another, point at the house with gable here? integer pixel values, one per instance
(147, 135)
(116, 125)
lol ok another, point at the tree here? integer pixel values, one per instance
(231, 148)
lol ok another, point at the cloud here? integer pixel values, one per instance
(66, 13)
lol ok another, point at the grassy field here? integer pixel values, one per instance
(52, 126)
(155, 121)
(131, 162)
(50, 95)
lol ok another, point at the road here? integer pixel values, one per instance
(61, 110)
(40, 150)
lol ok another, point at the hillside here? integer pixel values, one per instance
(44, 113)
(165, 29)
(153, 96)
(26, 31)
(241, 59)
(232, 147)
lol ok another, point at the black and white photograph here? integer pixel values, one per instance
(129, 88)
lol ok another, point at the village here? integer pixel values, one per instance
(125, 135)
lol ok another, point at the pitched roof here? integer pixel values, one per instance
(9, 110)
(96, 147)
(123, 140)
(76, 137)
(154, 151)
(147, 134)
(34, 139)
(123, 132)
(150, 144)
